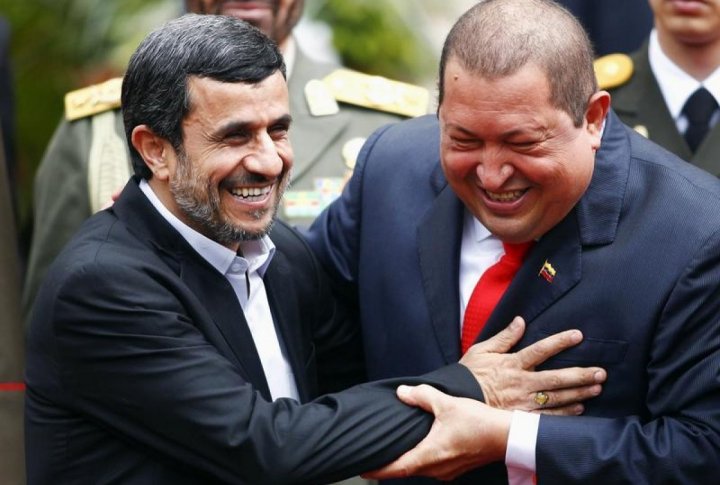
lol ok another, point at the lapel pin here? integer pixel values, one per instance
(547, 272)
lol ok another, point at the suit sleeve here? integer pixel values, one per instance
(60, 199)
(130, 358)
(677, 440)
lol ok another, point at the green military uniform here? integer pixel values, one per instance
(638, 101)
(333, 111)
(12, 461)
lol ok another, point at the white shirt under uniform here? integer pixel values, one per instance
(676, 85)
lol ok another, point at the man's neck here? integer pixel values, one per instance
(697, 60)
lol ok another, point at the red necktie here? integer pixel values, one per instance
(488, 291)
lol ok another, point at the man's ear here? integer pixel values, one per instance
(597, 110)
(154, 149)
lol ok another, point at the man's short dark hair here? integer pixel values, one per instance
(155, 88)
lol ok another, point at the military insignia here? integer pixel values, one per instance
(320, 100)
(93, 99)
(379, 93)
(613, 70)
(642, 129)
(547, 272)
(329, 189)
(300, 204)
(351, 150)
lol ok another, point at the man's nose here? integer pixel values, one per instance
(493, 170)
(264, 158)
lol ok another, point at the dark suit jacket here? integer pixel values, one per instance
(141, 368)
(637, 266)
(640, 102)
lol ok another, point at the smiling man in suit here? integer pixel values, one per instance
(175, 337)
(622, 240)
(333, 109)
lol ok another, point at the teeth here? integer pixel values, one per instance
(246, 192)
(505, 196)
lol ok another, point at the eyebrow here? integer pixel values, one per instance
(506, 134)
(235, 126)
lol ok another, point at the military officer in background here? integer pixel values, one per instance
(12, 462)
(333, 110)
(669, 89)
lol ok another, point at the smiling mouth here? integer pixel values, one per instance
(509, 196)
(252, 194)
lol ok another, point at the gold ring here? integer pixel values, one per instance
(541, 398)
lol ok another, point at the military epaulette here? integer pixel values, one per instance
(613, 70)
(93, 99)
(378, 93)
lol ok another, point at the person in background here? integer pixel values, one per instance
(526, 195)
(613, 25)
(333, 109)
(177, 334)
(669, 89)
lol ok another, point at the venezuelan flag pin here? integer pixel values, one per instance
(547, 272)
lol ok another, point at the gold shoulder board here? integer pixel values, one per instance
(613, 70)
(93, 99)
(379, 93)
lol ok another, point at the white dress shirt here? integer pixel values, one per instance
(245, 274)
(478, 251)
(676, 85)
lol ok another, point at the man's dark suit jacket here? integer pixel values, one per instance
(141, 368)
(636, 268)
(640, 103)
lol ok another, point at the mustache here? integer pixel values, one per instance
(248, 179)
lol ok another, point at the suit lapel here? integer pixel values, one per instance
(220, 301)
(213, 292)
(534, 288)
(439, 236)
(645, 105)
(283, 299)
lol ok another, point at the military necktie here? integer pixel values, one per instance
(698, 109)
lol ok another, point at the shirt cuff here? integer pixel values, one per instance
(520, 454)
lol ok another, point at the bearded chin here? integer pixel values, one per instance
(206, 215)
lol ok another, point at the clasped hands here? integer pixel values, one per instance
(468, 433)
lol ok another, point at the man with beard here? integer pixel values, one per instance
(87, 160)
(175, 336)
